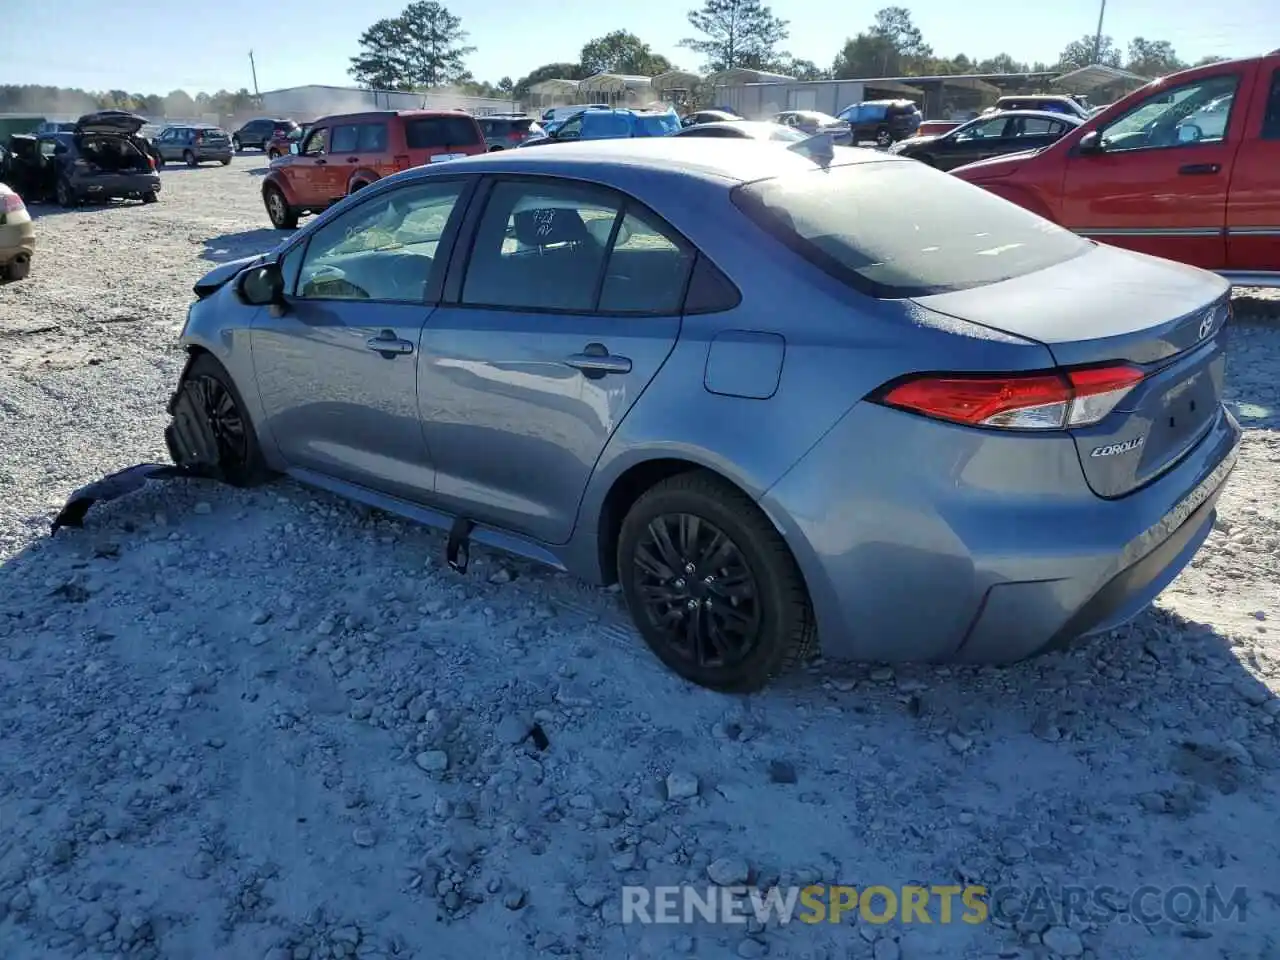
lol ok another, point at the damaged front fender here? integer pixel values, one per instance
(115, 486)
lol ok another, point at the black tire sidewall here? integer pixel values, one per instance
(189, 159)
(267, 194)
(772, 579)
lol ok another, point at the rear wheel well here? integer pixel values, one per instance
(626, 490)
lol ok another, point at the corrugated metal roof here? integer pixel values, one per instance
(1096, 75)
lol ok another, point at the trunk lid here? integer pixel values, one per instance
(1110, 306)
(110, 121)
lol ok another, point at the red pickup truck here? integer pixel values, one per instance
(1186, 168)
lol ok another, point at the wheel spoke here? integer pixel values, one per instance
(736, 585)
(651, 564)
(662, 539)
(712, 555)
(690, 529)
(695, 636)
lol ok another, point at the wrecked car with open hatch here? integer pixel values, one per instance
(103, 158)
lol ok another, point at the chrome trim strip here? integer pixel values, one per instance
(1253, 231)
(1252, 278)
(1148, 231)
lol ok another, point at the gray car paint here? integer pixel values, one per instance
(999, 530)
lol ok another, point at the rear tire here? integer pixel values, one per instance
(189, 159)
(65, 195)
(712, 586)
(226, 162)
(494, 149)
(150, 197)
(239, 454)
(236, 145)
(883, 137)
(19, 268)
(282, 217)
(273, 154)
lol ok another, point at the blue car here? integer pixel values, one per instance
(783, 395)
(610, 125)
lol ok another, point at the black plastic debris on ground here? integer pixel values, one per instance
(115, 486)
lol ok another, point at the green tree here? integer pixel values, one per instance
(1000, 63)
(892, 46)
(1081, 53)
(1211, 58)
(179, 103)
(435, 50)
(505, 86)
(1152, 58)
(622, 52)
(736, 33)
(803, 69)
(381, 64)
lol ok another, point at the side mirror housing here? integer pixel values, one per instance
(262, 286)
(1091, 142)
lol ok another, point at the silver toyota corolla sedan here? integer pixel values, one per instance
(783, 397)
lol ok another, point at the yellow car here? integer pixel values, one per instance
(17, 237)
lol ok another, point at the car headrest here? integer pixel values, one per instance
(549, 225)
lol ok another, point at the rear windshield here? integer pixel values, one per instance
(656, 124)
(899, 229)
(431, 132)
(212, 132)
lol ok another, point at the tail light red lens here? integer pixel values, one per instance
(403, 162)
(11, 203)
(1020, 401)
(515, 136)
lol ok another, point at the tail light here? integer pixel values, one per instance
(1075, 397)
(151, 161)
(199, 139)
(402, 162)
(10, 203)
(515, 136)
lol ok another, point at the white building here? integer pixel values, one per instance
(315, 100)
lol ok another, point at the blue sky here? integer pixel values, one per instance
(154, 46)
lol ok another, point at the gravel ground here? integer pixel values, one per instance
(269, 724)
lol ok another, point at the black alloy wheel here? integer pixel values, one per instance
(698, 590)
(711, 585)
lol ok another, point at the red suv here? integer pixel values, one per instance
(341, 154)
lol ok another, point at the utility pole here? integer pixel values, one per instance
(254, 68)
(1097, 37)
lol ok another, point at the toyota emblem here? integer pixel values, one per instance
(1206, 325)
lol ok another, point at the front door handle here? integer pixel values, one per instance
(389, 345)
(1200, 169)
(595, 361)
(353, 159)
(321, 161)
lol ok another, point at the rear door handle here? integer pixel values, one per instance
(321, 161)
(1201, 169)
(595, 361)
(389, 345)
(353, 159)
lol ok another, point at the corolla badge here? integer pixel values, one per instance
(1206, 325)
(1112, 449)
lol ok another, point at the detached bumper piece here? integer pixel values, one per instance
(112, 488)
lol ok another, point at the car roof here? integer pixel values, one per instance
(733, 125)
(388, 114)
(1043, 114)
(710, 159)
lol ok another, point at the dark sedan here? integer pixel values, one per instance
(993, 135)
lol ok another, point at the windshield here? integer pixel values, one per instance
(898, 229)
(777, 131)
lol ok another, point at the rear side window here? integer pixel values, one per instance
(656, 125)
(605, 125)
(429, 133)
(898, 229)
(1271, 121)
(372, 139)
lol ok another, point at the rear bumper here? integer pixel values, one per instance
(981, 549)
(116, 185)
(16, 240)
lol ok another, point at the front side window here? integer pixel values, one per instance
(1035, 127)
(373, 138)
(314, 145)
(855, 222)
(574, 248)
(1165, 119)
(570, 129)
(384, 249)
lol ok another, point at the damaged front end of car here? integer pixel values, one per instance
(201, 438)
